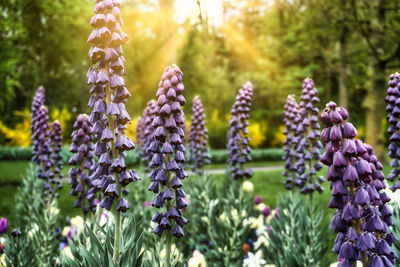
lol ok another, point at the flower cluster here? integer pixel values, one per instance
(198, 136)
(308, 147)
(362, 217)
(144, 132)
(238, 138)
(393, 110)
(38, 101)
(109, 94)
(55, 139)
(169, 154)
(84, 165)
(291, 121)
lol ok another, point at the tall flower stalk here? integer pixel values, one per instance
(362, 217)
(393, 109)
(308, 147)
(145, 131)
(38, 101)
(109, 116)
(168, 158)
(47, 145)
(291, 121)
(84, 165)
(198, 137)
(55, 174)
(238, 136)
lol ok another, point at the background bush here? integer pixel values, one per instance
(132, 157)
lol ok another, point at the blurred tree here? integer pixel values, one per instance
(378, 23)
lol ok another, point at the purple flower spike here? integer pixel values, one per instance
(307, 140)
(168, 155)
(38, 101)
(238, 139)
(393, 115)
(198, 136)
(144, 132)
(84, 165)
(47, 142)
(109, 116)
(362, 218)
(291, 121)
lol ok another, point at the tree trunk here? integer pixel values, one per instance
(375, 102)
(343, 97)
(375, 107)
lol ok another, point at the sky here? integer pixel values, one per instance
(189, 9)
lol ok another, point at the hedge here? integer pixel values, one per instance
(132, 157)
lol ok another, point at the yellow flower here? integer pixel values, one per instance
(3, 260)
(260, 207)
(197, 260)
(67, 252)
(257, 134)
(78, 222)
(248, 187)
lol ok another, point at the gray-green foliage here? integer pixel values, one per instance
(396, 226)
(296, 239)
(217, 213)
(98, 249)
(38, 244)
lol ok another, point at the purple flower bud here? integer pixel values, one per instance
(3, 225)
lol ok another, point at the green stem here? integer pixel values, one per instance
(169, 232)
(117, 238)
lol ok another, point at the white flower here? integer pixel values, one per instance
(254, 260)
(197, 260)
(262, 240)
(67, 252)
(260, 207)
(235, 215)
(205, 219)
(394, 198)
(78, 222)
(3, 260)
(223, 217)
(33, 231)
(248, 187)
(335, 264)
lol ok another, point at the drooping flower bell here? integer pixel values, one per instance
(393, 109)
(84, 165)
(308, 147)
(144, 132)
(238, 136)
(169, 154)
(362, 217)
(198, 137)
(109, 95)
(291, 121)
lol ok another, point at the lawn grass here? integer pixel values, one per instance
(268, 184)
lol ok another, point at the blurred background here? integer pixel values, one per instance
(349, 47)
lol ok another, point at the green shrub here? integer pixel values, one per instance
(296, 238)
(133, 158)
(37, 245)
